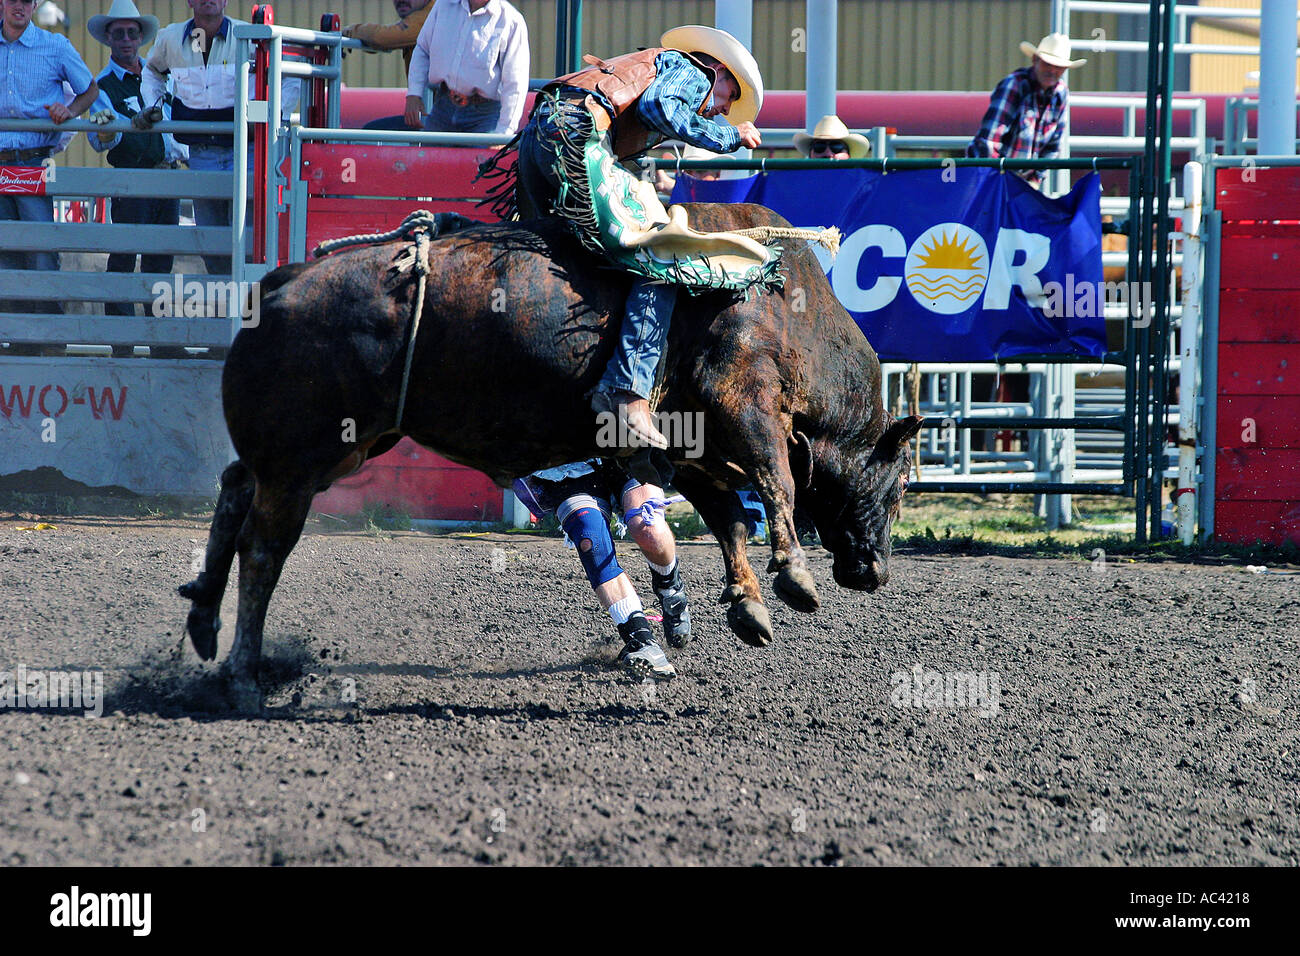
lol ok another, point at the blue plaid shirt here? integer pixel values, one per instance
(1023, 121)
(32, 72)
(670, 102)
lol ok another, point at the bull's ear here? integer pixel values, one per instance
(801, 460)
(891, 442)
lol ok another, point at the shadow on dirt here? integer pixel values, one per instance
(172, 684)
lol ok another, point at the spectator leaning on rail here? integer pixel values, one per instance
(1027, 109)
(199, 56)
(831, 139)
(399, 36)
(580, 495)
(34, 64)
(473, 54)
(124, 31)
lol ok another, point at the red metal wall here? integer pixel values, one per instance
(1257, 488)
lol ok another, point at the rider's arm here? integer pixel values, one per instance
(670, 102)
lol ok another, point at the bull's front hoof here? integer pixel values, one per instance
(202, 624)
(795, 586)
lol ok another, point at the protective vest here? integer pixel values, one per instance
(621, 81)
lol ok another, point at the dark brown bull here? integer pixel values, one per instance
(518, 324)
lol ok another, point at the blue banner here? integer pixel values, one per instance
(947, 265)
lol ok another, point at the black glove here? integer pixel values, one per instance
(145, 119)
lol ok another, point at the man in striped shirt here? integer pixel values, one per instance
(1025, 118)
(678, 90)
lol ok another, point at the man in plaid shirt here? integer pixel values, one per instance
(1027, 109)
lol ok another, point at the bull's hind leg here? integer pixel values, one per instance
(270, 531)
(723, 513)
(207, 589)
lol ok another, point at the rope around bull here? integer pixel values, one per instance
(420, 226)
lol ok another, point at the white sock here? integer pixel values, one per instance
(622, 610)
(665, 570)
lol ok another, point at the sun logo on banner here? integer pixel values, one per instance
(947, 268)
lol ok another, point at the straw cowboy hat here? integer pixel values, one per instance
(725, 48)
(1053, 48)
(122, 10)
(832, 128)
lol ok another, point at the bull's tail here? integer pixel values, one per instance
(206, 591)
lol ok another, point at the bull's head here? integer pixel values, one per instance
(853, 499)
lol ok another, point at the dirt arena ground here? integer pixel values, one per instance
(1145, 713)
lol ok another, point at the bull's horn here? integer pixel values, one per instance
(895, 435)
(802, 446)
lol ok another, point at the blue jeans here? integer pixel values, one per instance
(445, 116)
(29, 209)
(649, 308)
(646, 318)
(216, 212)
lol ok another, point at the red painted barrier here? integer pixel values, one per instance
(418, 482)
(1257, 464)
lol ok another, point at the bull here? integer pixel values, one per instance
(518, 322)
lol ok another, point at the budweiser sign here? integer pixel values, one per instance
(23, 180)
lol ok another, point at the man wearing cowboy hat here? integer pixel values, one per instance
(124, 31)
(831, 139)
(678, 90)
(1024, 118)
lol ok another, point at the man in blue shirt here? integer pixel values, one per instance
(677, 90)
(34, 65)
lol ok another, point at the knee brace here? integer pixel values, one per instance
(584, 520)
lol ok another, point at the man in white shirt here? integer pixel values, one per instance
(473, 54)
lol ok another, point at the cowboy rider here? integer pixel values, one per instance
(680, 89)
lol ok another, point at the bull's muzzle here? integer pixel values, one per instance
(861, 575)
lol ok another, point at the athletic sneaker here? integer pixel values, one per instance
(642, 656)
(676, 608)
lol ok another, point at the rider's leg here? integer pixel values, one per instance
(655, 539)
(536, 184)
(587, 526)
(630, 375)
